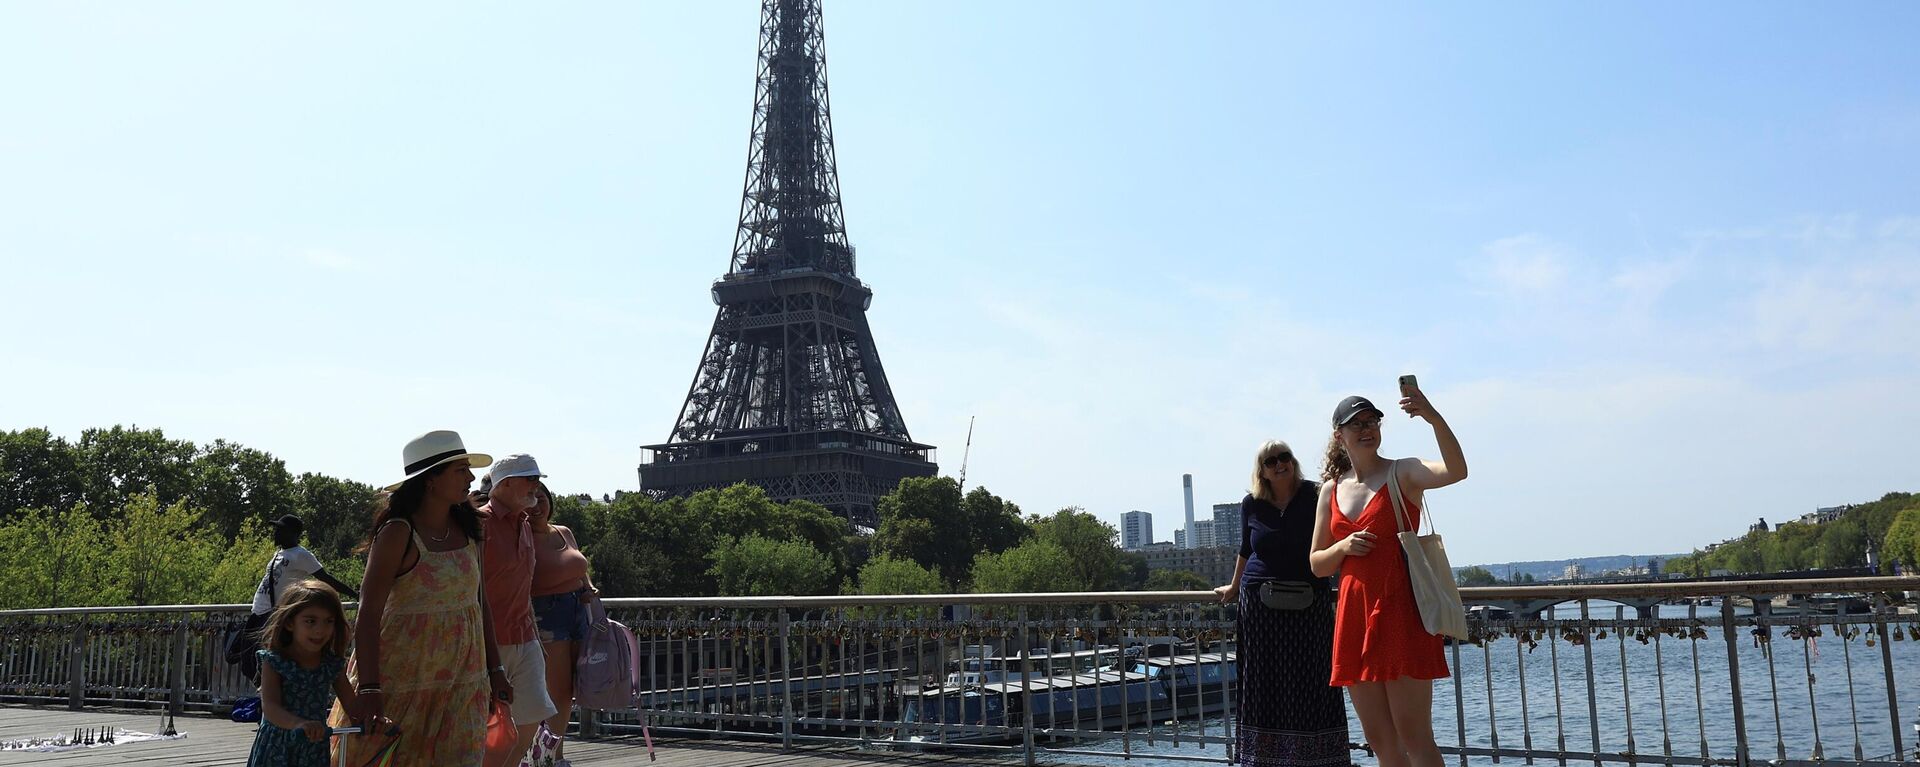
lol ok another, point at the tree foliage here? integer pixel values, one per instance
(127, 515)
(1840, 543)
(640, 546)
(1038, 565)
(926, 520)
(1902, 541)
(887, 575)
(1090, 544)
(755, 566)
(1176, 580)
(152, 554)
(1475, 575)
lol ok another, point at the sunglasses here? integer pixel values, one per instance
(1276, 459)
(1361, 425)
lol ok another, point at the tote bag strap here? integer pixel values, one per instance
(1394, 497)
(1400, 501)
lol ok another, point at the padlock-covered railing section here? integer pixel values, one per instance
(1101, 674)
(1727, 673)
(157, 656)
(1785, 672)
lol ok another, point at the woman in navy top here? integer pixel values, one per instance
(1289, 715)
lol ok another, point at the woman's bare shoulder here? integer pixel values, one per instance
(392, 533)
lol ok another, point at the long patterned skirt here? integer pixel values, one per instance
(1289, 715)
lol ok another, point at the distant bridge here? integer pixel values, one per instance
(1790, 575)
(1531, 599)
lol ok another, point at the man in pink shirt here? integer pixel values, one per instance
(506, 567)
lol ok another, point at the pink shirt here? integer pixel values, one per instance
(559, 566)
(506, 569)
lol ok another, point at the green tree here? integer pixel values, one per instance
(1790, 547)
(993, 524)
(921, 520)
(1901, 543)
(338, 514)
(1134, 573)
(757, 566)
(651, 548)
(639, 546)
(886, 575)
(1035, 566)
(162, 555)
(1090, 544)
(54, 559)
(1877, 517)
(37, 471)
(118, 463)
(745, 509)
(1475, 575)
(926, 520)
(1741, 557)
(1843, 543)
(233, 484)
(1176, 580)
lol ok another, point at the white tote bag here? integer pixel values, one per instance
(1433, 586)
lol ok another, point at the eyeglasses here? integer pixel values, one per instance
(1362, 425)
(1276, 459)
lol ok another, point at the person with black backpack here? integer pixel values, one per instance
(292, 564)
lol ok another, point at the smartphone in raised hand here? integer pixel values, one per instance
(1407, 384)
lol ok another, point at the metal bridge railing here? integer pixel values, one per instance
(1684, 674)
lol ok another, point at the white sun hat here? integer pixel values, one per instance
(433, 449)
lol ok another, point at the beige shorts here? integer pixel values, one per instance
(527, 671)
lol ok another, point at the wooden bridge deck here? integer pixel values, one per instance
(212, 742)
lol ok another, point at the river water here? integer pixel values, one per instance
(1672, 663)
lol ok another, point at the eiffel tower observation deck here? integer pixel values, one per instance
(790, 394)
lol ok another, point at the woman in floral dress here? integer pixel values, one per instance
(424, 653)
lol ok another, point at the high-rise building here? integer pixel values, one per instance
(1136, 530)
(1179, 538)
(1186, 484)
(1226, 524)
(1203, 534)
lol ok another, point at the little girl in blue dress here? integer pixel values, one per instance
(302, 668)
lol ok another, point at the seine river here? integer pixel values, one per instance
(1685, 721)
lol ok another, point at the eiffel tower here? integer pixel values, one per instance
(790, 394)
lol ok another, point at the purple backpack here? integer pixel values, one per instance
(606, 673)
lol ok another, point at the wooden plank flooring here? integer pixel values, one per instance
(212, 742)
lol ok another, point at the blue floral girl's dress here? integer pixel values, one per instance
(306, 693)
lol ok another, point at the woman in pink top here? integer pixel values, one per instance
(562, 587)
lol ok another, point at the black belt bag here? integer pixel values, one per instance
(1285, 595)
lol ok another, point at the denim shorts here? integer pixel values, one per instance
(560, 617)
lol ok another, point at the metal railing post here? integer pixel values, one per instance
(77, 668)
(1733, 675)
(1026, 687)
(177, 672)
(1885, 609)
(786, 680)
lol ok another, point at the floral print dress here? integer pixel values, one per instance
(432, 663)
(305, 693)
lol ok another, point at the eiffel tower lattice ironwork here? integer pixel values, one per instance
(790, 394)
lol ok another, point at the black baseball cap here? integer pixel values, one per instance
(1353, 406)
(289, 523)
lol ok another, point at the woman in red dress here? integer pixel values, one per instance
(1381, 651)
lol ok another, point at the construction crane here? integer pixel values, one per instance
(964, 454)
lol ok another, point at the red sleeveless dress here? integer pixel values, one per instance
(1377, 634)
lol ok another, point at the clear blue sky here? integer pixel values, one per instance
(1659, 264)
